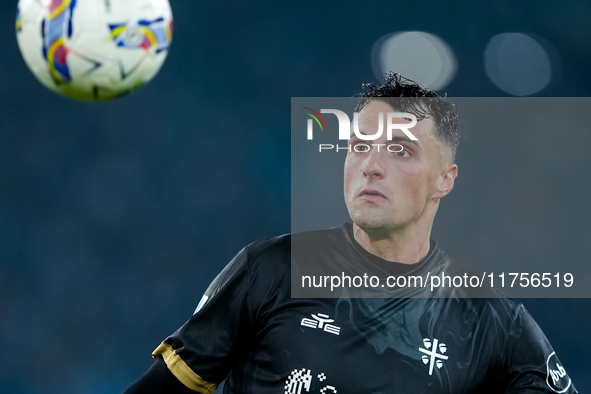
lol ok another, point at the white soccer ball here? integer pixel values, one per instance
(94, 50)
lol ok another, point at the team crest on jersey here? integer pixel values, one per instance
(321, 321)
(556, 377)
(434, 353)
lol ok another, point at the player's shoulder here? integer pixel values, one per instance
(498, 311)
(483, 294)
(270, 246)
(485, 303)
(274, 252)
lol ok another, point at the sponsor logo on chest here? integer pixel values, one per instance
(322, 322)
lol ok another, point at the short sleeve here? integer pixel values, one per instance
(532, 363)
(204, 350)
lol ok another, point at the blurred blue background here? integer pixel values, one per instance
(114, 217)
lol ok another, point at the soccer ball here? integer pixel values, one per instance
(94, 50)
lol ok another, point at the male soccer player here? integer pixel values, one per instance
(248, 330)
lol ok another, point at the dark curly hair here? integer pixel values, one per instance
(407, 96)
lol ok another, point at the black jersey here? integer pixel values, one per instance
(250, 330)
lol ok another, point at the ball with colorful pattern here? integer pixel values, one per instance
(94, 50)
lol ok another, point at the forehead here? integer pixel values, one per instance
(368, 117)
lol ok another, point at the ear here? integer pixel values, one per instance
(446, 181)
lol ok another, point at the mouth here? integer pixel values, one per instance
(372, 195)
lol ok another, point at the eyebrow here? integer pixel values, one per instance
(404, 139)
(395, 139)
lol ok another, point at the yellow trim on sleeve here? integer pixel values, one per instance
(182, 371)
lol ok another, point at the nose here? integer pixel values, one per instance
(372, 165)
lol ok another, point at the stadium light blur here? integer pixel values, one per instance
(518, 63)
(420, 56)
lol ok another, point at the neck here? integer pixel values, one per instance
(405, 245)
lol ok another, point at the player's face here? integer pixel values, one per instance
(388, 191)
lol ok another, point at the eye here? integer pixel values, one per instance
(403, 153)
(399, 150)
(361, 148)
